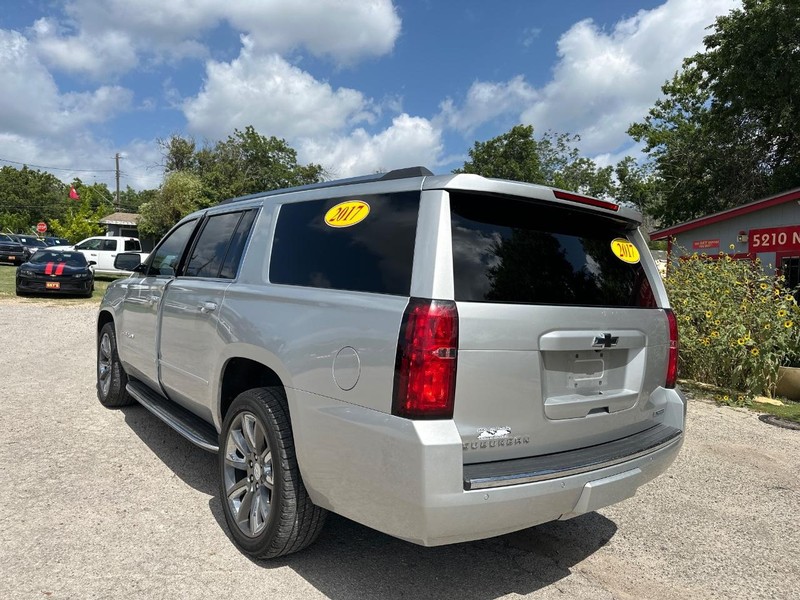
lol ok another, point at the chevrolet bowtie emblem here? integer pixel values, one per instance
(606, 340)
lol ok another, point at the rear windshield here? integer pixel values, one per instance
(516, 251)
(73, 259)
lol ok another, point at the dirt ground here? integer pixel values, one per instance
(96, 503)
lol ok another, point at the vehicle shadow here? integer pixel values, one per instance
(194, 466)
(350, 560)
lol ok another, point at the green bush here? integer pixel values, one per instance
(736, 324)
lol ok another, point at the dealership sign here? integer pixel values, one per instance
(774, 239)
(705, 244)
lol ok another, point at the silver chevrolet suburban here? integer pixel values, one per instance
(441, 358)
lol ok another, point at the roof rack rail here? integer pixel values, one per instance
(395, 174)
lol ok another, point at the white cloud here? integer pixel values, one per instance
(100, 53)
(275, 97)
(485, 101)
(604, 81)
(409, 141)
(31, 103)
(41, 126)
(345, 30)
(109, 37)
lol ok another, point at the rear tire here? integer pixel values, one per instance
(266, 505)
(111, 377)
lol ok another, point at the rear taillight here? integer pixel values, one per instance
(425, 368)
(672, 362)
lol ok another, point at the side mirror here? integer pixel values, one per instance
(129, 261)
(92, 263)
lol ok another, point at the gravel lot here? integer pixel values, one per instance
(99, 504)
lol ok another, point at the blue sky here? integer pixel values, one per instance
(355, 85)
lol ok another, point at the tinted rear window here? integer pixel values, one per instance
(516, 251)
(372, 255)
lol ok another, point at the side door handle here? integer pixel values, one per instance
(152, 299)
(207, 307)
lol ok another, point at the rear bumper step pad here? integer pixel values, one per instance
(573, 462)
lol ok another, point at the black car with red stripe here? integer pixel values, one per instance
(56, 272)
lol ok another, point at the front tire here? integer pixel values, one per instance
(266, 505)
(111, 377)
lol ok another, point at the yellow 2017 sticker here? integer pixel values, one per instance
(625, 250)
(347, 213)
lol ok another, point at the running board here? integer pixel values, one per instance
(189, 425)
(573, 462)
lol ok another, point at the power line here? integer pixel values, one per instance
(24, 164)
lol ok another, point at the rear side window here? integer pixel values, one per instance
(212, 244)
(234, 257)
(133, 246)
(507, 250)
(371, 253)
(219, 246)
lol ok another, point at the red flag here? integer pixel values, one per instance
(73, 193)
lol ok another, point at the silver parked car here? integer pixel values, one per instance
(441, 358)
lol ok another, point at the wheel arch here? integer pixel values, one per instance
(102, 319)
(241, 374)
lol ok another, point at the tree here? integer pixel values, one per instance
(552, 160)
(180, 194)
(513, 155)
(245, 163)
(728, 128)
(28, 196)
(80, 221)
(130, 199)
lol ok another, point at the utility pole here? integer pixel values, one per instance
(117, 196)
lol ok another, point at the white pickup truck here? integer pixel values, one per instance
(103, 250)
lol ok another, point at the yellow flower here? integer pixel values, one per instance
(726, 397)
(781, 313)
(767, 326)
(715, 334)
(717, 321)
(754, 351)
(732, 247)
(708, 314)
(764, 286)
(740, 341)
(787, 324)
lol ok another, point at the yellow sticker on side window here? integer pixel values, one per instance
(346, 214)
(625, 250)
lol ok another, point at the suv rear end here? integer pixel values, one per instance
(439, 358)
(533, 378)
